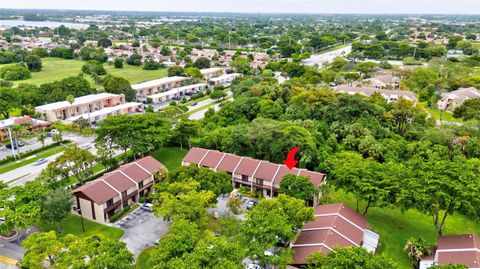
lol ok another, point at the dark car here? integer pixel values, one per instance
(15, 145)
(194, 104)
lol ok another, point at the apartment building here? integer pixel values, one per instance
(335, 225)
(451, 100)
(30, 124)
(209, 73)
(102, 198)
(255, 174)
(177, 93)
(388, 95)
(159, 85)
(94, 107)
(224, 79)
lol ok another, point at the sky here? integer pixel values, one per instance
(261, 6)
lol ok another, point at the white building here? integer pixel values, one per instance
(159, 85)
(213, 72)
(178, 92)
(224, 79)
(94, 107)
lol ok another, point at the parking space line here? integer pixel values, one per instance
(8, 260)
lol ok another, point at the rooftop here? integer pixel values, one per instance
(87, 99)
(157, 82)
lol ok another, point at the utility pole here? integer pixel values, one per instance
(9, 128)
(415, 50)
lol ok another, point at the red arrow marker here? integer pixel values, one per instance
(290, 162)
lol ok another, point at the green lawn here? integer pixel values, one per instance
(446, 116)
(72, 225)
(396, 228)
(16, 164)
(142, 259)
(171, 157)
(54, 69)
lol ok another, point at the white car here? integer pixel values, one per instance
(147, 206)
(253, 266)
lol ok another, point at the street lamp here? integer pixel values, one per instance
(79, 211)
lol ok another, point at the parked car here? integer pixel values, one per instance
(40, 161)
(15, 145)
(194, 104)
(251, 203)
(147, 206)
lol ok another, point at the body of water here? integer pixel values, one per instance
(49, 24)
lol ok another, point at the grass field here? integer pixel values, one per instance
(142, 259)
(396, 228)
(54, 69)
(72, 225)
(171, 157)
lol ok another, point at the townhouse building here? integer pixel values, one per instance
(224, 79)
(177, 93)
(159, 85)
(94, 107)
(258, 175)
(209, 73)
(388, 95)
(102, 198)
(454, 249)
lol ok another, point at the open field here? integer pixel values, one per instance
(396, 228)
(171, 157)
(54, 69)
(72, 225)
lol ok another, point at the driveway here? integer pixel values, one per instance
(222, 209)
(11, 250)
(142, 229)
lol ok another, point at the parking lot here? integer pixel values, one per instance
(142, 229)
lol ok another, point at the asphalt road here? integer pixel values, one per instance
(200, 114)
(326, 57)
(29, 172)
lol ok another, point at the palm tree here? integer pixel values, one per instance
(417, 248)
(41, 138)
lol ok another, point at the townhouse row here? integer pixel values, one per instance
(258, 175)
(102, 198)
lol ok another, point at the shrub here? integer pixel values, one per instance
(15, 72)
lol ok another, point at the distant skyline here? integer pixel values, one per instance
(261, 6)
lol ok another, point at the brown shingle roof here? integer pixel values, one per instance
(212, 158)
(118, 180)
(247, 166)
(266, 171)
(335, 225)
(462, 249)
(150, 164)
(97, 191)
(195, 155)
(133, 171)
(229, 163)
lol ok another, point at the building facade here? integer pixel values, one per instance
(102, 198)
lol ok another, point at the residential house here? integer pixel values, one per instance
(30, 124)
(455, 249)
(224, 79)
(385, 81)
(258, 175)
(335, 225)
(94, 107)
(102, 198)
(388, 95)
(451, 100)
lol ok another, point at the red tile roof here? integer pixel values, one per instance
(459, 249)
(267, 171)
(97, 191)
(150, 164)
(118, 181)
(195, 155)
(229, 163)
(335, 225)
(212, 158)
(132, 171)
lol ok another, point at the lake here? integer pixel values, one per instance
(49, 24)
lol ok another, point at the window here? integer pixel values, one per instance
(140, 185)
(124, 194)
(110, 202)
(259, 181)
(244, 178)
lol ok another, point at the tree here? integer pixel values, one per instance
(118, 63)
(468, 110)
(9, 100)
(119, 85)
(56, 205)
(94, 67)
(234, 204)
(134, 59)
(416, 249)
(193, 72)
(218, 94)
(76, 161)
(183, 200)
(349, 257)
(209, 180)
(41, 138)
(104, 42)
(299, 187)
(367, 179)
(39, 246)
(241, 65)
(271, 221)
(165, 51)
(14, 72)
(441, 188)
(33, 62)
(176, 71)
(202, 63)
(152, 65)
(184, 131)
